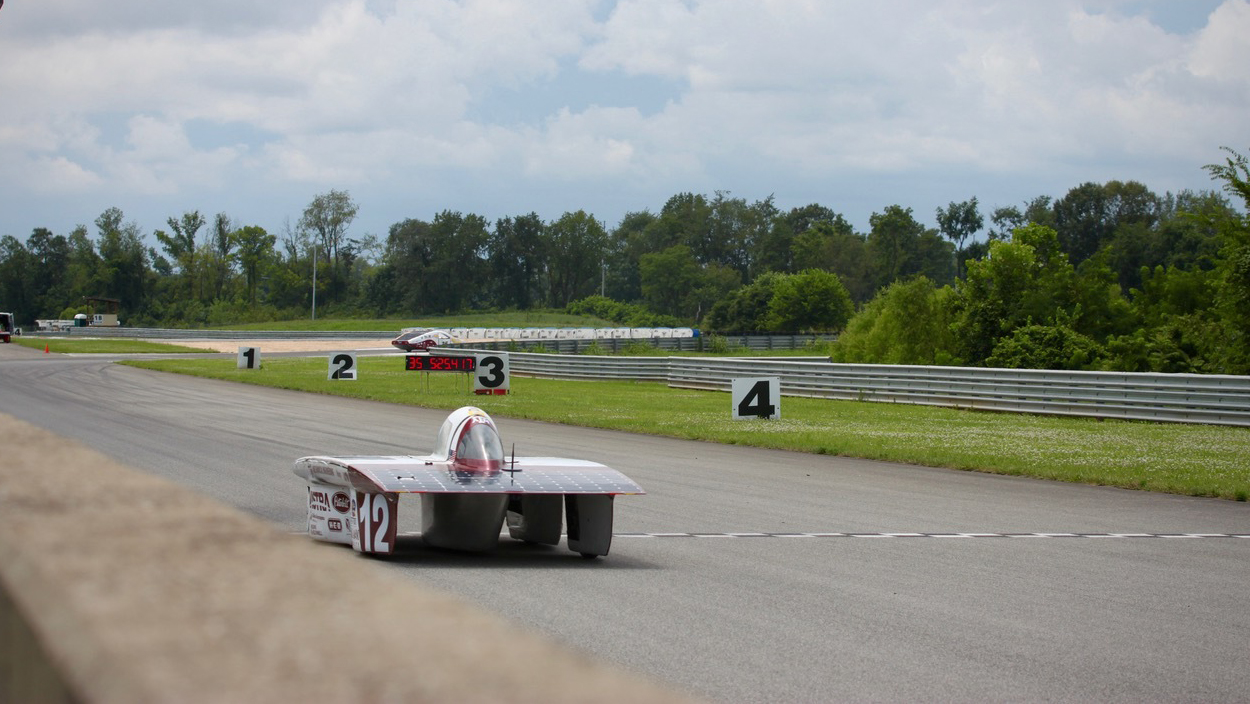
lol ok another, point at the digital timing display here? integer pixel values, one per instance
(439, 363)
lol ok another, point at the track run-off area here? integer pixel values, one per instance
(747, 574)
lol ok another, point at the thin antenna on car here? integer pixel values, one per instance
(511, 468)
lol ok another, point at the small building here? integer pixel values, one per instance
(109, 317)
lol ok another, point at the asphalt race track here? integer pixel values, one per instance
(751, 575)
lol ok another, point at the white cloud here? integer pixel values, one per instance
(1222, 52)
(388, 95)
(60, 174)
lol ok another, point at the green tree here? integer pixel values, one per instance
(628, 242)
(768, 239)
(900, 247)
(810, 300)
(724, 240)
(1172, 348)
(124, 265)
(326, 220)
(908, 322)
(1046, 347)
(736, 228)
(50, 258)
(893, 233)
(668, 280)
(1088, 217)
(517, 261)
(685, 219)
(1233, 267)
(1235, 174)
(401, 284)
(1002, 292)
(834, 246)
(959, 221)
(15, 280)
(803, 218)
(577, 243)
(716, 281)
(255, 252)
(1005, 220)
(1038, 211)
(1083, 221)
(180, 246)
(83, 272)
(746, 309)
(457, 245)
(1166, 293)
(1188, 235)
(220, 262)
(1029, 281)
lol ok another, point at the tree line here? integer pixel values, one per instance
(1108, 275)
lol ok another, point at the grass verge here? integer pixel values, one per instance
(1198, 460)
(105, 346)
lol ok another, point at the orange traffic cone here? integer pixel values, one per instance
(45, 348)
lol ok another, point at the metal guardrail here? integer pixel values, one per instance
(703, 343)
(1187, 398)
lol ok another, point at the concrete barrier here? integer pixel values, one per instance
(119, 586)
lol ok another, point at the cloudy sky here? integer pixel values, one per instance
(502, 107)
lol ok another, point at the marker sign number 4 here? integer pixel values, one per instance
(758, 397)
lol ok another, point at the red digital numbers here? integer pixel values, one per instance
(432, 363)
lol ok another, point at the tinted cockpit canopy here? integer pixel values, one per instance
(478, 448)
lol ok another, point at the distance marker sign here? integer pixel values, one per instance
(757, 397)
(249, 358)
(342, 366)
(492, 374)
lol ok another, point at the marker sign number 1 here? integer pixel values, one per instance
(249, 358)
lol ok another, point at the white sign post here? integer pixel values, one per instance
(342, 366)
(492, 375)
(249, 358)
(757, 397)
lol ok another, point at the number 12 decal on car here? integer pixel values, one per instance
(373, 522)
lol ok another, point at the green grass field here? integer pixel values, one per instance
(107, 346)
(1178, 458)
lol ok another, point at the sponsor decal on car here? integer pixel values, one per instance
(341, 502)
(319, 500)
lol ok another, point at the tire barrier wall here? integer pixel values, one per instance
(118, 586)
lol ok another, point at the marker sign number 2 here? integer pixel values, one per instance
(342, 366)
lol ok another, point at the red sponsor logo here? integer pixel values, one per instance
(334, 524)
(342, 503)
